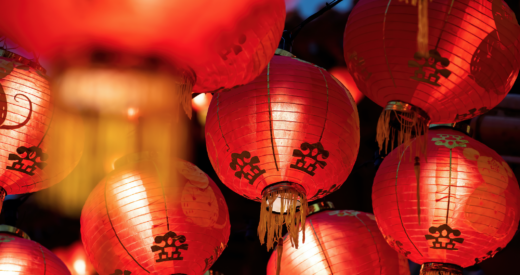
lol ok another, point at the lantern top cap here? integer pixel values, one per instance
(134, 158)
(283, 52)
(461, 127)
(4, 228)
(320, 206)
(18, 58)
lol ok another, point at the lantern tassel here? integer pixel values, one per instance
(271, 224)
(417, 168)
(411, 125)
(279, 251)
(422, 31)
(440, 269)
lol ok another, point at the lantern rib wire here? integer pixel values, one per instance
(164, 196)
(397, 201)
(444, 25)
(44, 262)
(327, 106)
(115, 233)
(321, 247)
(375, 244)
(271, 117)
(218, 119)
(449, 190)
(384, 44)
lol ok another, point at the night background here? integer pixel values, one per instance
(320, 42)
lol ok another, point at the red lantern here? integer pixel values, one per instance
(29, 160)
(139, 54)
(457, 207)
(75, 258)
(340, 242)
(137, 222)
(21, 256)
(472, 61)
(288, 137)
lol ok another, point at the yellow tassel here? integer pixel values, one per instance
(279, 251)
(271, 224)
(422, 32)
(410, 122)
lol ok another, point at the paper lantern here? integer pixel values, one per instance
(75, 258)
(292, 133)
(21, 256)
(29, 160)
(340, 242)
(148, 55)
(135, 222)
(454, 209)
(472, 62)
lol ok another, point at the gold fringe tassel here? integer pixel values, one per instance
(440, 269)
(279, 251)
(422, 32)
(272, 223)
(410, 123)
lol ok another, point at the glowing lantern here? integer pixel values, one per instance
(21, 256)
(343, 75)
(452, 210)
(75, 259)
(340, 242)
(31, 155)
(288, 137)
(149, 55)
(136, 223)
(471, 63)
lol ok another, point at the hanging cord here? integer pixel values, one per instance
(288, 36)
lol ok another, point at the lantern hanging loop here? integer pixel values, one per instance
(288, 36)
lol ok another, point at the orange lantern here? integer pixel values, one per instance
(455, 209)
(136, 222)
(21, 256)
(31, 153)
(340, 242)
(288, 137)
(471, 62)
(123, 54)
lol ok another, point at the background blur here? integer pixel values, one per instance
(45, 218)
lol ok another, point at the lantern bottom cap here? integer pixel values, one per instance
(287, 198)
(399, 123)
(440, 269)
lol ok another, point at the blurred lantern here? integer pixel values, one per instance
(135, 222)
(149, 55)
(454, 210)
(290, 136)
(75, 259)
(344, 76)
(471, 63)
(33, 154)
(21, 256)
(340, 242)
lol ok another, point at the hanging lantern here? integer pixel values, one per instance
(32, 157)
(471, 63)
(75, 258)
(288, 137)
(340, 242)
(21, 256)
(112, 56)
(135, 222)
(454, 209)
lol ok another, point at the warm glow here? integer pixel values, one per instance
(80, 266)
(201, 102)
(9, 269)
(132, 112)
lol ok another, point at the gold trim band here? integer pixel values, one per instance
(4, 228)
(18, 58)
(320, 206)
(406, 108)
(441, 267)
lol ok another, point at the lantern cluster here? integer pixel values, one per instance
(471, 63)
(288, 137)
(456, 208)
